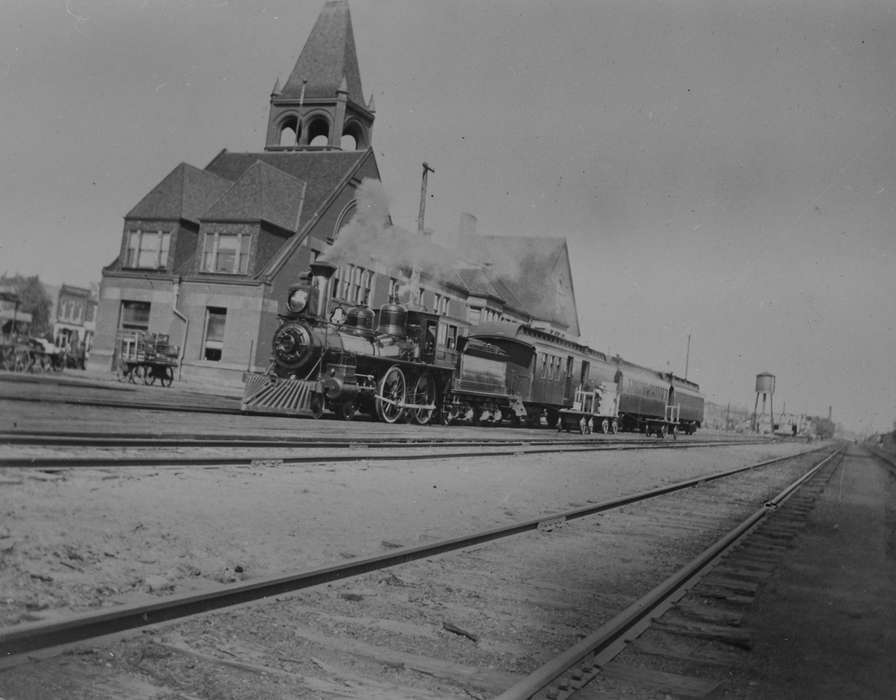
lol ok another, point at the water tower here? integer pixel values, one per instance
(765, 386)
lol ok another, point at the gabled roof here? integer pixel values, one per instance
(329, 55)
(184, 193)
(321, 171)
(535, 271)
(262, 193)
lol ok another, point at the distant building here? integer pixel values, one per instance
(74, 318)
(208, 254)
(12, 319)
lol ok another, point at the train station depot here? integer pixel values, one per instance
(207, 255)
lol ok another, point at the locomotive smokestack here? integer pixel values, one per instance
(322, 271)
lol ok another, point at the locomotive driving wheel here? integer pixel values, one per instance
(425, 395)
(391, 395)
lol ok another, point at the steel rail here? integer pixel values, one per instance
(33, 462)
(100, 439)
(138, 405)
(614, 629)
(32, 637)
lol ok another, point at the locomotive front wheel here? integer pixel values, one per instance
(425, 394)
(391, 395)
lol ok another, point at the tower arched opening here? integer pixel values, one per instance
(318, 131)
(289, 131)
(354, 137)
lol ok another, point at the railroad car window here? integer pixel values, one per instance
(213, 345)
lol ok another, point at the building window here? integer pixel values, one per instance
(134, 316)
(441, 304)
(353, 284)
(213, 344)
(226, 252)
(474, 315)
(147, 250)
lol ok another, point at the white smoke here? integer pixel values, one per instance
(369, 239)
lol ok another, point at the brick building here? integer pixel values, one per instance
(208, 254)
(74, 318)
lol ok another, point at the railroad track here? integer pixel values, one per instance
(728, 573)
(315, 451)
(160, 439)
(443, 599)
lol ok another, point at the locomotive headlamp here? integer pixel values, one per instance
(297, 301)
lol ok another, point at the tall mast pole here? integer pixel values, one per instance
(687, 357)
(426, 171)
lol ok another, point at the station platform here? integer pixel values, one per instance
(824, 626)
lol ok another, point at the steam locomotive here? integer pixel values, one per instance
(388, 364)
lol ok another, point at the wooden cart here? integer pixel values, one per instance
(147, 357)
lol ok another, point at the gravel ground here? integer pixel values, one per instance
(87, 538)
(521, 599)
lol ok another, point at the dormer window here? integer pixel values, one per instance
(226, 253)
(147, 250)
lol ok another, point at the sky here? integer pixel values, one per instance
(722, 171)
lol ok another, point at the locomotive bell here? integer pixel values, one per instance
(392, 319)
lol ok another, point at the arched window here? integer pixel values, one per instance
(344, 219)
(289, 131)
(318, 131)
(354, 136)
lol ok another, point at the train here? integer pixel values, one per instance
(387, 364)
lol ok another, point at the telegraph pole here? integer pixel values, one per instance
(426, 171)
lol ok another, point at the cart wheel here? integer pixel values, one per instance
(149, 375)
(605, 426)
(614, 426)
(167, 376)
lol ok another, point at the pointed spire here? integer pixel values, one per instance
(343, 87)
(276, 89)
(328, 57)
(370, 106)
